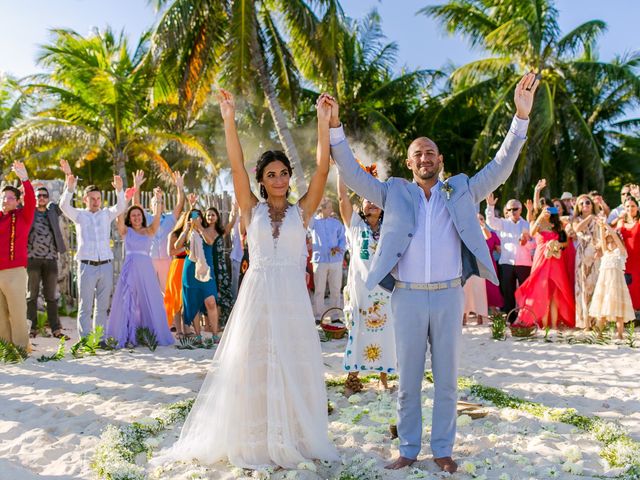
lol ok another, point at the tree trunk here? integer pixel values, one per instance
(120, 166)
(280, 121)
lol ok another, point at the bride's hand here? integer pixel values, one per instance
(227, 105)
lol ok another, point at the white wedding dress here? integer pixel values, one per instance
(264, 400)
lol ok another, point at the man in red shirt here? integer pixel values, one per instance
(15, 224)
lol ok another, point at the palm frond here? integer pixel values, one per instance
(581, 37)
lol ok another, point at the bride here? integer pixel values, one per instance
(263, 401)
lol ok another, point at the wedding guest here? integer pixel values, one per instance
(568, 200)
(159, 249)
(371, 344)
(627, 190)
(173, 290)
(44, 245)
(611, 299)
(629, 227)
(587, 261)
(328, 243)
(137, 300)
(15, 224)
(604, 209)
(236, 250)
(517, 249)
(223, 277)
(199, 289)
(475, 298)
(547, 292)
(494, 298)
(94, 255)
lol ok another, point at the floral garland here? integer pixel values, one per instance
(123, 450)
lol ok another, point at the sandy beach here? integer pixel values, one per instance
(53, 413)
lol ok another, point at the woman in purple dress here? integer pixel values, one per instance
(137, 301)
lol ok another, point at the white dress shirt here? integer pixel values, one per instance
(434, 252)
(93, 230)
(512, 253)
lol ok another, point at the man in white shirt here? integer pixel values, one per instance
(517, 249)
(627, 190)
(94, 254)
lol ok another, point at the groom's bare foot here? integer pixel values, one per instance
(446, 464)
(401, 462)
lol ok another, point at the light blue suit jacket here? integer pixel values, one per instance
(400, 200)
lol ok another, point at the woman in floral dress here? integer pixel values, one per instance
(587, 264)
(371, 344)
(220, 267)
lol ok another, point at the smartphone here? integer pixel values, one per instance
(553, 210)
(194, 215)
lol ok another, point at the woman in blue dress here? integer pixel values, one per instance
(199, 289)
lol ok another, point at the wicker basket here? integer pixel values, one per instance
(520, 330)
(334, 332)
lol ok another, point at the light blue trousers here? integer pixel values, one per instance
(427, 318)
(94, 282)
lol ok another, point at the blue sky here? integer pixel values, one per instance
(422, 43)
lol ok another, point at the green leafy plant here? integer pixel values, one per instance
(631, 335)
(88, 345)
(498, 326)
(147, 338)
(41, 324)
(12, 353)
(59, 355)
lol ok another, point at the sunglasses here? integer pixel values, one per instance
(42, 195)
(624, 194)
(586, 202)
(515, 209)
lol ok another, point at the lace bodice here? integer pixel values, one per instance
(614, 259)
(288, 249)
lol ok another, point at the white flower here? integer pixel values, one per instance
(464, 420)
(261, 474)
(572, 454)
(492, 437)
(291, 475)
(552, 472)
(469, 468)
(307, 466)
(355, 398)
(504, 476)
(237, 472)
(509, 414)
(571, 467)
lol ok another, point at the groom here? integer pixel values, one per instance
(429, 245)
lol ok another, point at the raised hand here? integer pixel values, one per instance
(323, 108)
(158, 194)
(227, 105)
(66, 169)
(334, 122)
(117, 183)
(20, 170)
(635, 191)
(492, 200)
(524, 94)
(138, 178)
(192, 198)
(178, 179)
(528, 204)
(541, 184)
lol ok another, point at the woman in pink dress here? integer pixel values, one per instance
(494, 296)
(547, 292)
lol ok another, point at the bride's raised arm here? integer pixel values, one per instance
(310, 201)
(241, 184)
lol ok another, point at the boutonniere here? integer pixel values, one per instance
(447, 189)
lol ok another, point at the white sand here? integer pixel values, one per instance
(52, 413)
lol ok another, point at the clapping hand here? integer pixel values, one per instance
(227, 105)
(524, 94)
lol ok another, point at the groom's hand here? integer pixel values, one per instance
(334, 121)
(523, 96)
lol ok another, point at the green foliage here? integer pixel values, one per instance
(147, 338)
(498, 326)
(373, 377)
(11, 353)
(59, 355)
(191, 343)
(89, 344)
(631, 334)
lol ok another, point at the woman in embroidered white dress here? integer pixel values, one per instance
(371, 343)
(264, 400)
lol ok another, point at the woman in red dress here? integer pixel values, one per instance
(629, 226)
(547, 292)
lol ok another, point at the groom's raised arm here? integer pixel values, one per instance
(355, 177)
(496, 172)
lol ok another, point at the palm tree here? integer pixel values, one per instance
(520, 36)
(97, 96)
(244, 43)
(14, 101)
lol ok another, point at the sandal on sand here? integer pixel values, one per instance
(216, 338)
(33, 333)
(59, 334)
